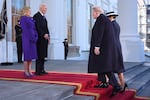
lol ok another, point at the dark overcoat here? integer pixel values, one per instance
(18, 30)
(42, 29)
(103, 37)
(29, 38)
(119, 67)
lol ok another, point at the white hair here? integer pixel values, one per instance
(42, 5)
(98, 9)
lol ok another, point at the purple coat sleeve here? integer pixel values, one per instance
(29, 30)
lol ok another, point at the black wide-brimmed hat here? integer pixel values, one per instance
(112, 13)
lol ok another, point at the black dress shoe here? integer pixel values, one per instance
(44, 72)
(102, 85)
(115, 91)
(38, 74)
(20, 61)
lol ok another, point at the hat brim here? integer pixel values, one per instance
(111, 15)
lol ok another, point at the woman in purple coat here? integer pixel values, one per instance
(29, 38)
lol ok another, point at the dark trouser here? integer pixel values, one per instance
(66, 52)
(19, 51)
(39, 66)
(112, 79)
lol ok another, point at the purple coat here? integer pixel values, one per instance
(29, 38)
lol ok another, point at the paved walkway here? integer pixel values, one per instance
(76, 66)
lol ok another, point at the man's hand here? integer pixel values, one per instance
(46, 36)
(97, 50)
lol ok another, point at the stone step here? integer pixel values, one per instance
(134, 71)
(80, 97)
(143, 92)
(138, 74)
(137, 77)
(38, 91)
(34, 91)
(140, 80)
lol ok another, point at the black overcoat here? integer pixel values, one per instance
(103, 37)
(119, 67)
(42, 29)
(18, 30)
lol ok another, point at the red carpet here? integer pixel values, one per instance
(83, 82)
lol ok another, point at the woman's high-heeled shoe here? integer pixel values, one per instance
(27, 75)
(31, 74)
(124, 88)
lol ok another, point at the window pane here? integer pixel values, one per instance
(17, 6)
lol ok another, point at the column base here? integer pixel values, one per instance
(56, 51)
(6, 51)
(133, 50)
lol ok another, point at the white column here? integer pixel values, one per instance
(1, 5)
(34, 7)
(132, 46)
(81, 24)
(57, 27)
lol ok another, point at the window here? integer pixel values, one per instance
(148, 18)
(69, 20)
(17, 6)
(148, 30)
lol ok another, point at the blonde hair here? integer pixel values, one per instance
(25, 10)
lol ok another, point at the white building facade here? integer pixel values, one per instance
(72, 19)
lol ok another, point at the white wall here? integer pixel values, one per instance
(34, 4)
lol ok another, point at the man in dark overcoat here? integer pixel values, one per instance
(18, 30)
(102, 51)
(66, 48)
(43, 39)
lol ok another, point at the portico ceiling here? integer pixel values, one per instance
(143, 2)
(147, 2)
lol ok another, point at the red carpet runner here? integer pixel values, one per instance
(83, 82)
